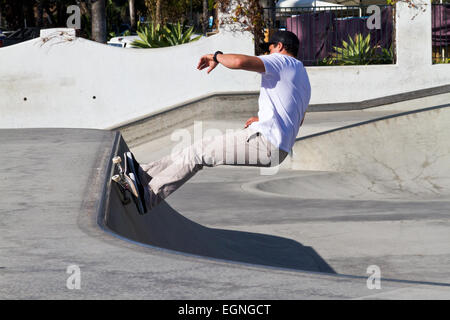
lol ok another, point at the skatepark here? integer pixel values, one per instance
(230, 233)
(366, 184)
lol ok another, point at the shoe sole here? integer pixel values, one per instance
(130, 169)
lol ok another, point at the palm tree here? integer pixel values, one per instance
(132, 14)
(158, 12)
(205, 16)
(40, 13)
(98, 16)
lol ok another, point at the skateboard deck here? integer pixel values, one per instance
(126, 185)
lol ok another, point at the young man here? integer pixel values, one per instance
(265, 140)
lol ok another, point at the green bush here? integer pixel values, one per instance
(386, 56)
(441, 60)
(177, 34)
(356, 51)
(163, 36)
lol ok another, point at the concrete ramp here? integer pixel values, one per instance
(166, 228)
(57, 191)
(401, 157)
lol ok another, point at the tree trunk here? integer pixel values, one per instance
(21, 15)
(158, 12)
(191, 16)
(205, 16)
(29, 13)
(98, 14)
(132, 14)
(40, 12)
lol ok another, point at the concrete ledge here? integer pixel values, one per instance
(380, 101)
(218, 106)
(232, 106)
(401, 114)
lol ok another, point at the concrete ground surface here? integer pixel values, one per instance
(59, 209)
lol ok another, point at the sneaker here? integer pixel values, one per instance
(132, 170)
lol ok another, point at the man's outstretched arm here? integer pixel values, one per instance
(232, 61)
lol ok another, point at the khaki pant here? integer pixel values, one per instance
(242, 148)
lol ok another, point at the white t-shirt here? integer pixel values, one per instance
(284, 97)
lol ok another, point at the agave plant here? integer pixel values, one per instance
(386, 56)
(356, 51)
(178, 34)
(150, 37)
(164, 36)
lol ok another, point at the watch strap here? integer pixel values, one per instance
(215, 56)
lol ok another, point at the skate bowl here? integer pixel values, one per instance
(228, 233)
(393, 168)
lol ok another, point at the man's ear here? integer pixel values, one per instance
(280, 46)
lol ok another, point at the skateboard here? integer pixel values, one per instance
(124, 193)
(126, 185)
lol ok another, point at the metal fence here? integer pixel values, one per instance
(337, 35)
(440, 22)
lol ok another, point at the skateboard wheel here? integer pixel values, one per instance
(116, 178)
(116, 160)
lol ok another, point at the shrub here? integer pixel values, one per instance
(163, 36)
(356, 51)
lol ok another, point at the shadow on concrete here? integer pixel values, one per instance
(164, 227)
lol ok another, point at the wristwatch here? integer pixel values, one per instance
(215, 56)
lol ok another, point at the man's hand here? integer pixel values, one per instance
(250, 121)
(207, 61)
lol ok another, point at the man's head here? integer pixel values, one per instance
(282, 42)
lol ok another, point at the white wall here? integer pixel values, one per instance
(60, 78)
(414, 69)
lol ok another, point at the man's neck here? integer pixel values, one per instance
(286, 53)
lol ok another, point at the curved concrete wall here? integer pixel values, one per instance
(397, 157)
(73, 82)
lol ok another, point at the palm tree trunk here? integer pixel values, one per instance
(132, 14)
(205, 16)
(40, 11)
(98, 14)
(158, 12)
(21, 13)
